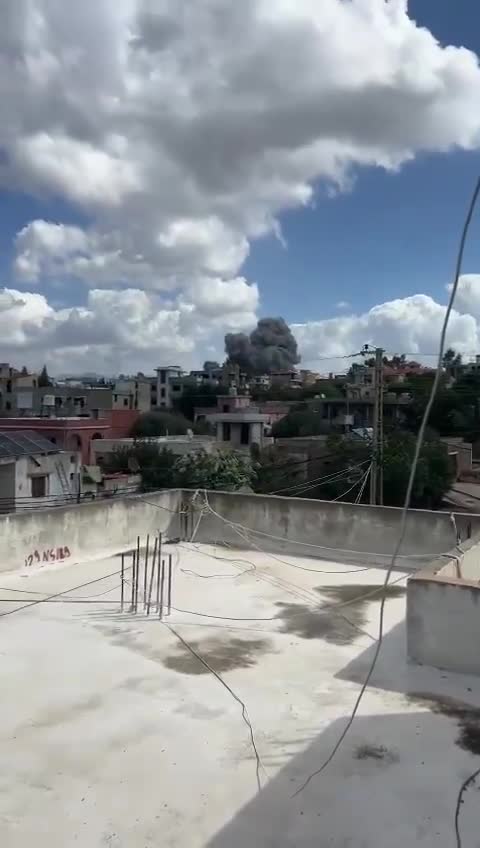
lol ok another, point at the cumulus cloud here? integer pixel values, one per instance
(411, 325)
(180, 133)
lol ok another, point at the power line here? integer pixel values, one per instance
(408, 496)
(220, 679)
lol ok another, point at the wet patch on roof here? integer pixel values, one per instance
(335, 626)
(221, 654)
(380, 753)
(466, 715)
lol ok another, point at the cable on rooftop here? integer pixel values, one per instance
(406, 505)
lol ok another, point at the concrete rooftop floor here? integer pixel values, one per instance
(113, 734)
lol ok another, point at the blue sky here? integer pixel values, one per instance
(137, 177)
(393, 235)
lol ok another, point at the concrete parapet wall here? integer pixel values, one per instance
(85, 531)
(340, 531)
(443, 623)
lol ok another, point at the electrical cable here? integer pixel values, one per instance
(362, 488)
(339, 497)
(317, 547)
(408, 495)
(59, 594)
(220, 679)
(326, 478)
(465, 785)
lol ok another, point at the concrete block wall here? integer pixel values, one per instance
(85, 531)
(339, 531)
(443, 623)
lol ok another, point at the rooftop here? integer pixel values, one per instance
(115, 734)
(24, 443)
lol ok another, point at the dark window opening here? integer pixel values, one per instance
(226, 431)
(39, 486)
(245, 434)
(226, 407)
(125, 401)
(8, 405)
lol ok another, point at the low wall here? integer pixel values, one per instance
(443, 623)
(340, 531)
(85, 531)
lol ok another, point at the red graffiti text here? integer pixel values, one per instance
(47, 555)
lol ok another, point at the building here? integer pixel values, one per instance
(132, 692)
(288, 379)
(67, 434)
(35, 472)
(178, 445)
(238, 425)
(50, 401)
(133, 393)
(169, 385)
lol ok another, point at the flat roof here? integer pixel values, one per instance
(114, 733)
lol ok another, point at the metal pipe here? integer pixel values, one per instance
(123, 583)
(162, 586)
(152, 575)
(145, 570)
(137, 573)
(169, 585)
(132, 604)
(157, 605)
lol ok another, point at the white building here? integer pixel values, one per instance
(169, 385)
(237, 424)
(35, 472)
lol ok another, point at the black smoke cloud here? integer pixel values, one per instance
(270, 347)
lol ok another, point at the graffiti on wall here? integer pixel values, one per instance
(47, 555)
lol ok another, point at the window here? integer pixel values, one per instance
(162, 393)
(115, 398)
(39, 486)
(72, 475)
(245, 434)
(9, 386)
(162, 377)
(176, 388)
(226, 407)
(226, 431)
(125, 401)
(8, 405)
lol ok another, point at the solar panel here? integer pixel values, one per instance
(24, 443)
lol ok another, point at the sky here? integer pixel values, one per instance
(172, 171)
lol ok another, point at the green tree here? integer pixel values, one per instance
(433, 477)
(44, 379)
(226, 471)
(300, 422)
(193, 396)
(273, 470)
(155, 466)
(152, 424)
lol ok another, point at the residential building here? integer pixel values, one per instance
(132, 393)
(238, 425)
(178, 445)
(34, 471)
(288, 378)
(169, 385)
(69, 434)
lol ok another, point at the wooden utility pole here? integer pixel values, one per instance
(376, 473)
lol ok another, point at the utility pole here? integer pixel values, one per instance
(376, 472)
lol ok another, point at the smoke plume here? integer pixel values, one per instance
(270, 347)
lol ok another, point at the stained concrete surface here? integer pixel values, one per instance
(110, 737)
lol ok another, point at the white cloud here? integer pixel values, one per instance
(132, 329)
(406, 325)
(181, 132)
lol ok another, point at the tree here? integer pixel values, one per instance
(152, 424)
(155, 466)
(44, 379)
(303, 422)
(227, 471)
(193, 396)
(433, 477)
(24, 371)
(274, 470)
